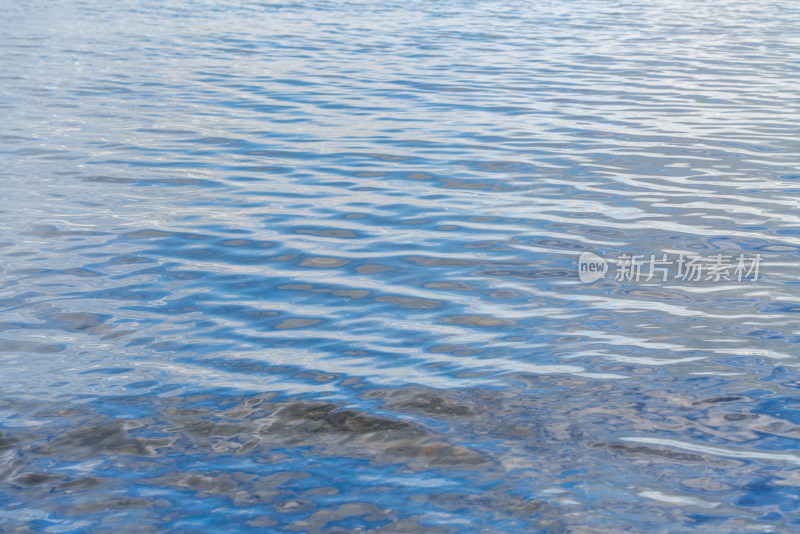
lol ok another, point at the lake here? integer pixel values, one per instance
(397, 267)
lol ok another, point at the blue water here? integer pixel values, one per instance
(312, 267)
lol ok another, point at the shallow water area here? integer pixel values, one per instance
(313, 267)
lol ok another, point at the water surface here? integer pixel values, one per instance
(311, 267)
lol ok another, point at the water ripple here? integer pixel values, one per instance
(313, 266)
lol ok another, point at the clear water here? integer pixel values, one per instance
(311, 267)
